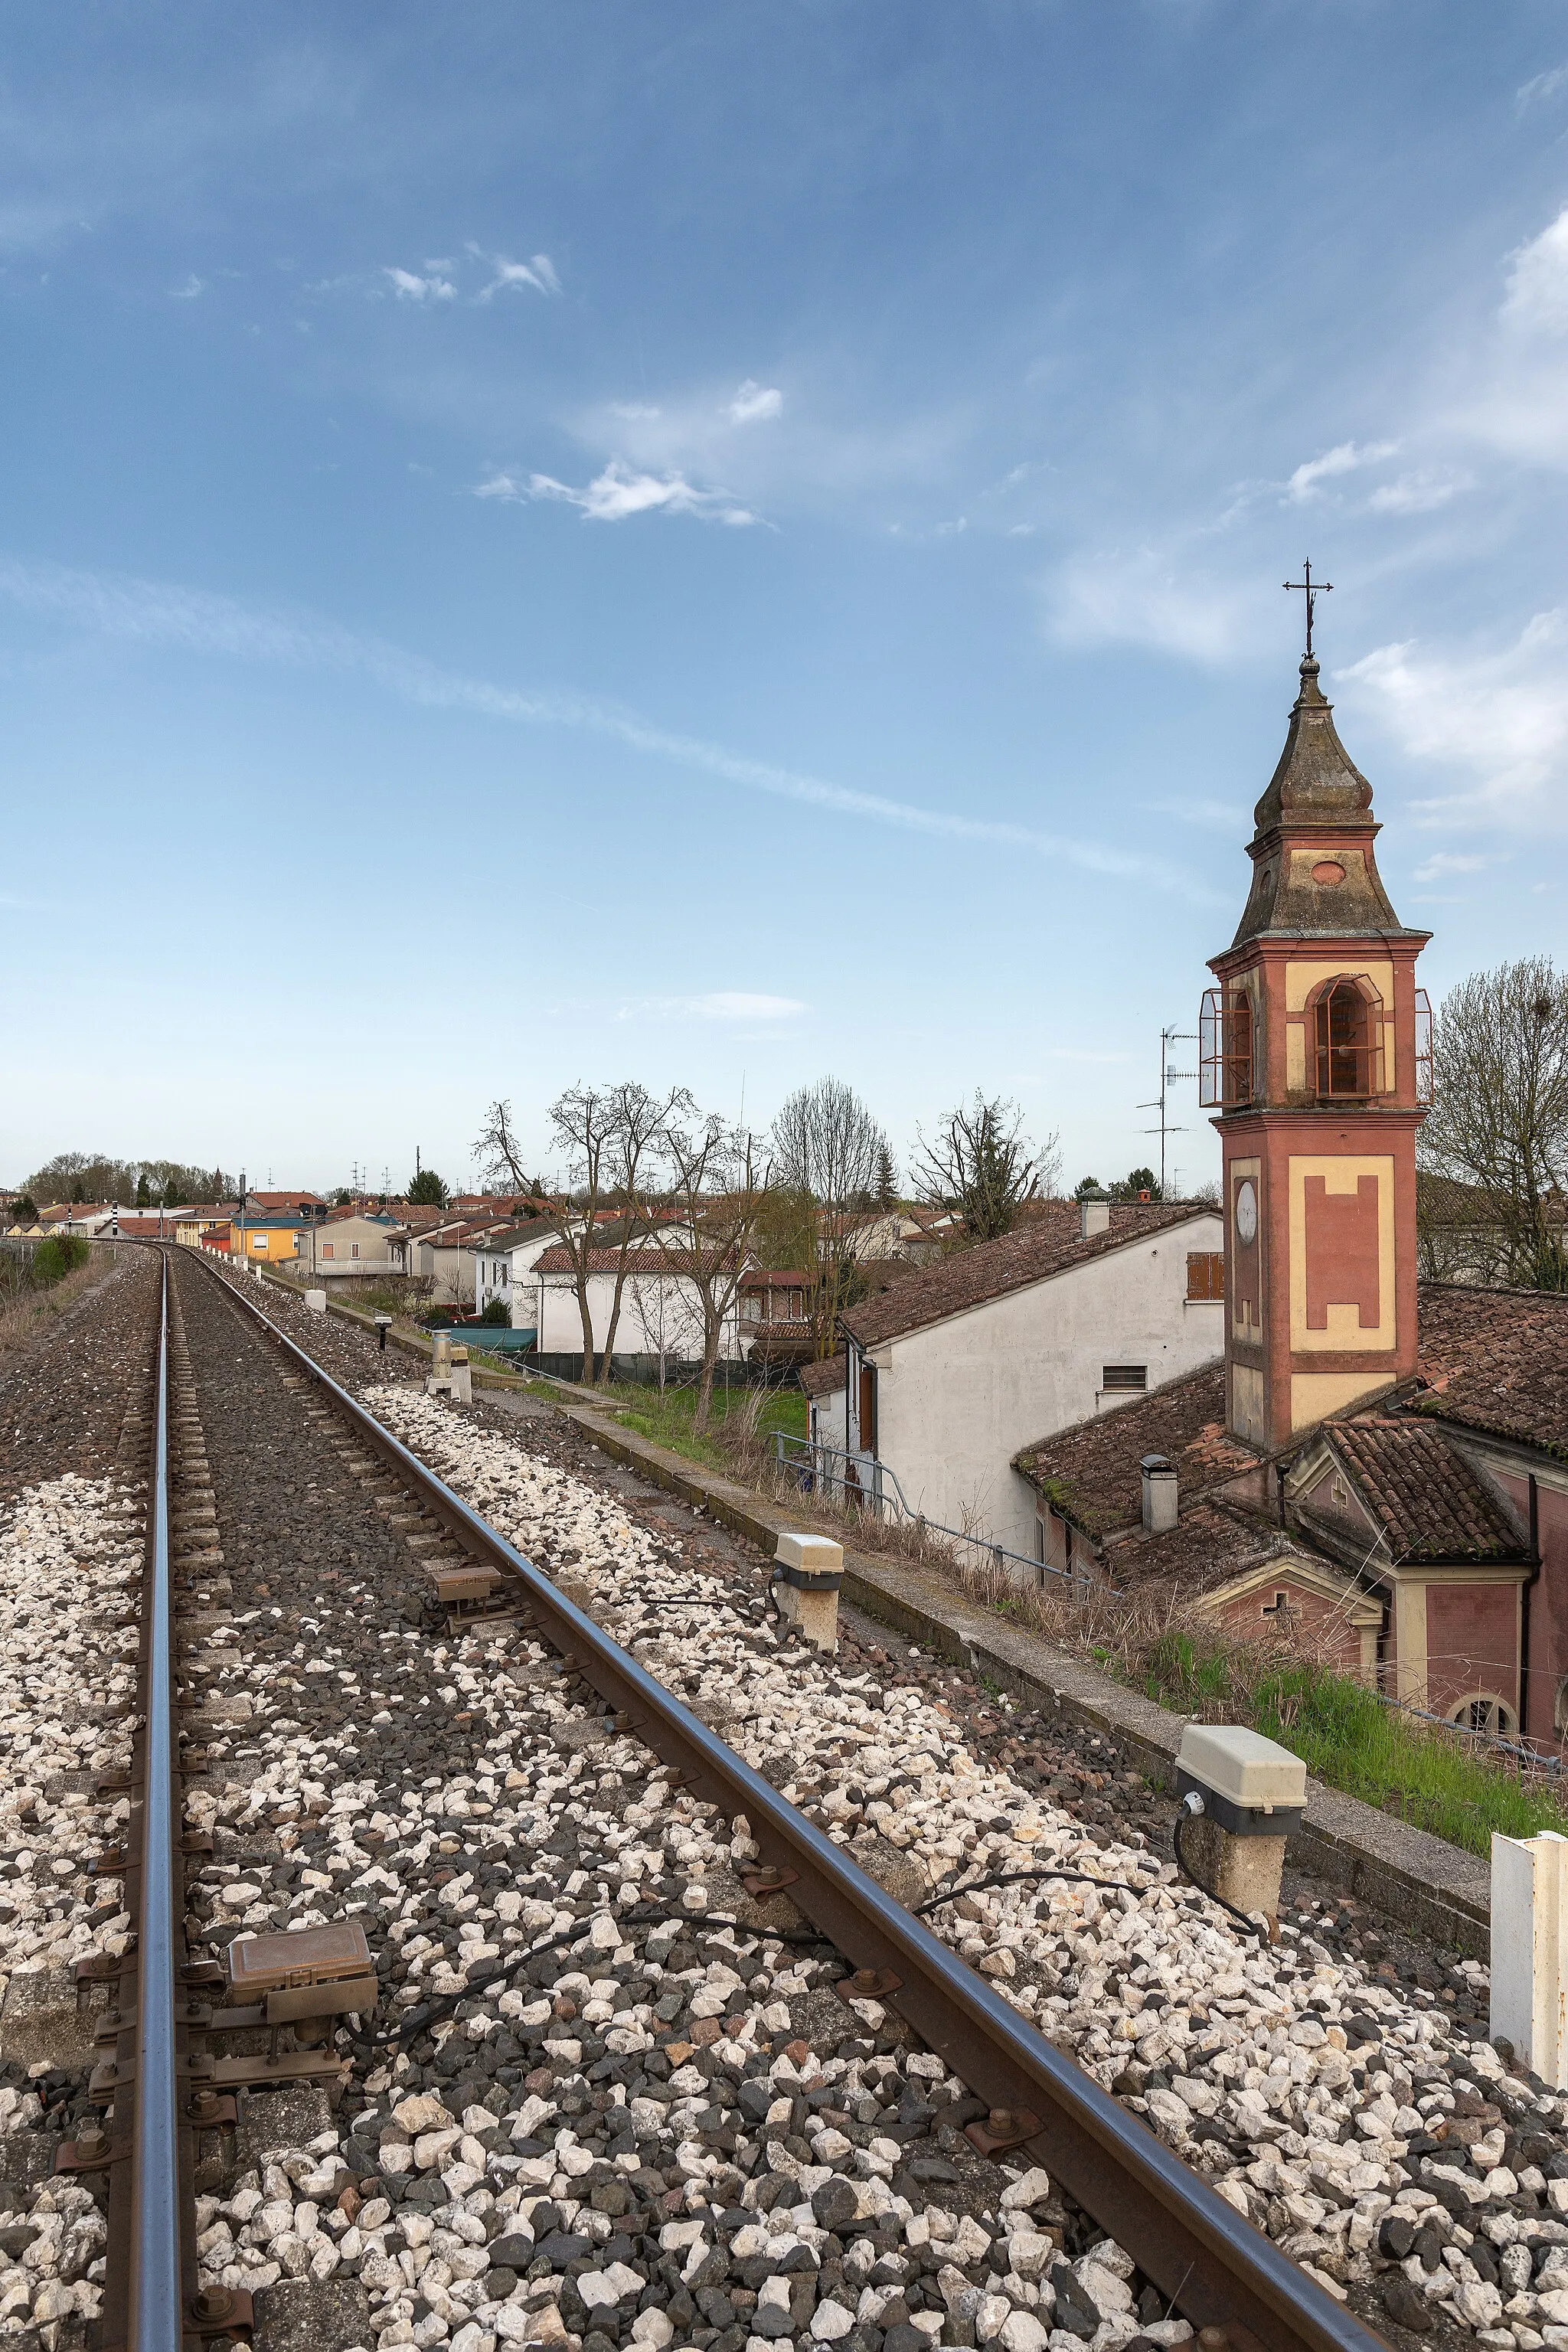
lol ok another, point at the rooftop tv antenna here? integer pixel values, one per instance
(1168, 1078)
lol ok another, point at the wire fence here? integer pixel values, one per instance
(859, 1482)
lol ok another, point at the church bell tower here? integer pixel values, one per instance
(1315, 1050)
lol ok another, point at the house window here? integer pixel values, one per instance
(259, 1244)
(1206, 1274)
(1125, 1380)
(326, 1249)
(1484, 1712)
(353, 1249)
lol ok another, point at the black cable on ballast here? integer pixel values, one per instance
(1185, 1813)
(420, 2020)
(1020, 1877)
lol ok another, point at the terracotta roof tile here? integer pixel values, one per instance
(1432, 1505)
(1210, 1545)
(637, 1262)
(1497, 1360)
(1046, 1244)
(1091, 1471)
(825, 1378)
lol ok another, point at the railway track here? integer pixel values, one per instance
(173, 2077)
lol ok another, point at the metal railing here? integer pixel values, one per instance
(866, 1484)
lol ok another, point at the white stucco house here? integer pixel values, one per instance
(952, 1371)
(661, 1313)
(502, 1261)
(826, 1389)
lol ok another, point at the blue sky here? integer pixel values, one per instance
(729, 541)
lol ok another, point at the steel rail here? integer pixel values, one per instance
(1203, 2256)
(156, 2255)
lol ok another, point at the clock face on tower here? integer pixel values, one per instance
(1246, 1213)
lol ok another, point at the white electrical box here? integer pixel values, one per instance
(1243, 1767)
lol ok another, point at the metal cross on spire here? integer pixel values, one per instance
(1314, 589)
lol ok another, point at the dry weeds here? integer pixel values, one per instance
(24, 1315)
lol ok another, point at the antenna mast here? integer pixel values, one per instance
(1168, 1078)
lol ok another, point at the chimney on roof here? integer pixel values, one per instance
(1160, 1497)
(1094, 1210)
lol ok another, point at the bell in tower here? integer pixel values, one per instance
(1315, 1051)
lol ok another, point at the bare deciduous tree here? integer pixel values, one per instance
(718, 1190)
(639, 1123)
(663, 1317)
(608, 1136)
(1499, 1114)
(828, 1146)
(982, 1167)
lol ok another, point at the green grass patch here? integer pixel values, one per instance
(62, 1254)
(664, 1416)
(1349, 1737)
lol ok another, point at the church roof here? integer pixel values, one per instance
(1429, 1501)
(1497, 1362)
(1317, 885)
(1316, 782)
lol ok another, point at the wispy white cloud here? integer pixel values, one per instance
(1499, 718)
(618, 493)
(1418, 493)
(1348, 458)
(153, 614)
(1536, 301)
(1159, 596)
(1213, 815)
(537, 272)
(409, 286)
(189, 291)
(723, 1004)
(756, 403)
(27, 225)
(1514, 404)
(1446, 863)
(1541, 89)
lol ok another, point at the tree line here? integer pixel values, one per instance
(1493, 1153)
(650, 1179)
(75, 1176)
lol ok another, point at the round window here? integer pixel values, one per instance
(1329, 872)
(1245, 1212)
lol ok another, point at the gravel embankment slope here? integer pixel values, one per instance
(72, 1500)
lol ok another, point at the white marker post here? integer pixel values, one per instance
(1530, 1951)
(808, 1574)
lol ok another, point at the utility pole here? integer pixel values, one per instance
(1168, 1078)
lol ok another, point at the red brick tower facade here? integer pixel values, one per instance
(1314, 1048)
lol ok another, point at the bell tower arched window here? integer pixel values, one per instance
(1227, 1041)
(1347, 1038)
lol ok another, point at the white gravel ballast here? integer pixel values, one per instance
(70, 1557)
